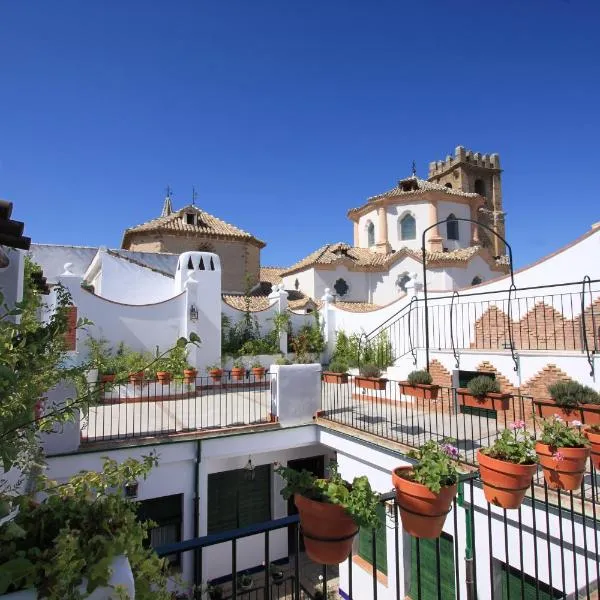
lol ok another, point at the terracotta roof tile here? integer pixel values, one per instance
(207, 225)
(271, 275)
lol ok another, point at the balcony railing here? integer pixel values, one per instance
(146, 408)
(542, 550)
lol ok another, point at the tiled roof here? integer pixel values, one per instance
(359, 307)
(365, 259)
(206, 225)
(140, 263)
(271, 275)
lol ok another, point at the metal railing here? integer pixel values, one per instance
(556, 317)
(547, 548)
(145, 408)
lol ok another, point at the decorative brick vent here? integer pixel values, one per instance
(71, 333)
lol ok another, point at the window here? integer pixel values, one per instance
(449, 185)
(341, 287)
(365, 543)
(480, 187)
(370, 234)
(408, 228)
(426, 577)
(476, 280)
(402, 281)
(189, 218)
(452, 227)
(235, 501)
(167, 513)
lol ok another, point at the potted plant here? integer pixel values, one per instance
(215, 372)
(238, 370)
(572, 401)
(137, 377)
(245, 581)
(370, 378)
(507, 467)
(419, 384)
(258, 371)
(331, 511)
(108, 374)
(425, 491)
(189, 374)
(562, 451)
(276, 573)
(214, 591)
(337, 372)
(592, 433)
(483, 391)
(163, 370)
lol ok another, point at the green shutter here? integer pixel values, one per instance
(429, 571)
(511, 581)
(235, 501)
(365, 543)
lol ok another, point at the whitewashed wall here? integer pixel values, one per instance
(419, 210)
(306, 281)
(11, 276)
(459, 210)
(357, 282)
(363, 241)
(263, 317)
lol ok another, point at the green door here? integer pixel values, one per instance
(365, 543)
(428, 580)
(515, 588)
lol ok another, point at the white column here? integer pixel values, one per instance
(280, 296)
(328, 316)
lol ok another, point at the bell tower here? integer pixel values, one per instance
(480, 174)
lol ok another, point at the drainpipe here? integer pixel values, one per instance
(197, 564)
(468, 542)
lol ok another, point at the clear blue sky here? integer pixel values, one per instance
(286, 113)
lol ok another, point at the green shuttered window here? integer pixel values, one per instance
(429, 568)
(365, 543)
(234, 501)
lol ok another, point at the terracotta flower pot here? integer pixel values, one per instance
(258, 372)
(563, 469)
(547, 408)
(338, 378)
(591, 414)
(422, 391)
(491, 401)
(137, 377)
(423, 513)
(109, 378)
(371, 383)
(237, 373)
(595, 451)
(189, 375)
(327, 529)
(504, 483)
(164, 377)
(216, 374)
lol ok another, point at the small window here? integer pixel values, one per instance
(370, 234)
(480, 187)
(341, 287)
(476, 280)
(451, 227)
(365, 543)
(402, 281)
(408, 228)
(449, 185)
(190, 218)
(167, 513)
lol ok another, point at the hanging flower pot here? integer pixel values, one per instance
(327, 529)
(215, 374)
(189, 375)
(107, 378)
(591, 414)
(164, 377)
(136, 378)
(490, 401)
(547, 408)
(594, 437)
(337, 378)
(422, 391)
(563, 467)
(237, 373)
(504, 483)
(422, 511)
(258, 372)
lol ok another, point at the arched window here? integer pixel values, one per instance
(408, 228)
(476, 280)
(370, 234)
(341, 287)
(451, 227)
(402, 281)
(449, 185)
(480, 187)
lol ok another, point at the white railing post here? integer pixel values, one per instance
(328, 317)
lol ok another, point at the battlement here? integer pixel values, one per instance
(462, 155)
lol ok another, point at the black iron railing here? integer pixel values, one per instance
(140, 408)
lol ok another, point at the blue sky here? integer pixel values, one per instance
(286, 113)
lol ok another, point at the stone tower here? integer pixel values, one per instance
(479, 173)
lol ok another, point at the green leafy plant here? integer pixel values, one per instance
(556, 433)
(215, 367)
(570, 394)
(214, 591)
(308, 341)
(337, 366)
(420, 377)
(282, 360)
(357, 499)
(370, 370)
(238, 363)
(437, 465)
(256, 365)
(515, 445)
(482, 384)
(245, 580)
(98, 353)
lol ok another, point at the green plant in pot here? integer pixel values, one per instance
(572, 401)
(369, 377)
(508, 466)
(214, 591)
(425, 490)
(562, 450)
(215, 372)
(245, 581)
(257, 370)
(337, 372)
(592, 433)
(484, 391)
(238, 369)
(331, 511)
(419, 384)
(276, 573)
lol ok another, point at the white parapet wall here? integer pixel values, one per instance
(297, 393)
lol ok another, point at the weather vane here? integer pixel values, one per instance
(168, 191)
(194, 196)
